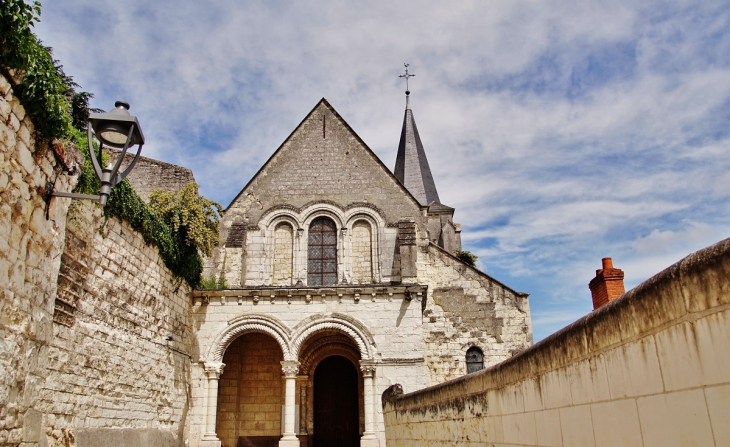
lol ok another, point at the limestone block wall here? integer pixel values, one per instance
(466, 308)
(118, 363)
(30, 247)
(648, 369)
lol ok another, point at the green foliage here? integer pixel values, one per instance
(467, 257)
(43, 92)
(169, 231)
(186, 225)
(190, 214)
(213, 284)
(17, 41)
(180, 257)
(47, 93)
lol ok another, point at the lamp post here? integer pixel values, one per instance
(119, 130)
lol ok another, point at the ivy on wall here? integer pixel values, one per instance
(182, 225)
(43, 92)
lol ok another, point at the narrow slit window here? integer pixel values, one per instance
(322, 253)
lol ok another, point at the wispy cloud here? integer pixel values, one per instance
(562, 131)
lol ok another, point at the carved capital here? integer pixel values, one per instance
(290, 369)
(367, 367)
(214, 369)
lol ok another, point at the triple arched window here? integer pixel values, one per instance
(322, 253)
(474, 360)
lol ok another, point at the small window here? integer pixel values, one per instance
(474, 360)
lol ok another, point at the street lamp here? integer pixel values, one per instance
(119, 130)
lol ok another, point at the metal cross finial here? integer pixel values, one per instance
(407, 75)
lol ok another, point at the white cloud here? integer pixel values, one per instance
(562, 131)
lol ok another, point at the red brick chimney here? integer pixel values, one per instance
(607, 285)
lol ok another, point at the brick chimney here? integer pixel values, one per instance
(607, 285)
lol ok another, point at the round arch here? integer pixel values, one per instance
(250, 323)
(334, 322)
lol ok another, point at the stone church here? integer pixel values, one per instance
(342, 281)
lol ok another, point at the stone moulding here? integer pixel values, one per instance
(306, 295)
(250, 323)
(340, 323)
(291, 341)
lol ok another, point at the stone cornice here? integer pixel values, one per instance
(230, 296)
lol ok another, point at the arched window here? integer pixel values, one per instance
(322, 253)
(474, 360)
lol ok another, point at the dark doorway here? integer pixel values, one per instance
(336, 422)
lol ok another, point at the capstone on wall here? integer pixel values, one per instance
(31, 241)
(650, 368)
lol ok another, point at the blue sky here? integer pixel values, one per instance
(561, 131)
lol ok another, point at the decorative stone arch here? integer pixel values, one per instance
(250, 323)
(339, 344)
(334, 322)
(276, 215)
(323, 209)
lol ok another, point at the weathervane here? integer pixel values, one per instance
(407, 75)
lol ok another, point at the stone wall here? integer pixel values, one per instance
(119, 356)
(30, 245)
(468, 308)
(84, 314)
(649, 369)
(149, 175)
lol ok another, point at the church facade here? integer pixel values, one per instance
(342, 281)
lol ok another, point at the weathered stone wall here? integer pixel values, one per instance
(30, 247)
(466, 308)
(119, 355)
(149, 175)
(84, 315)
(649, 369)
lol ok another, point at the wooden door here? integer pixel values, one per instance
(336, 422)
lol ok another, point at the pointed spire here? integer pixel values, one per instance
(411, 165)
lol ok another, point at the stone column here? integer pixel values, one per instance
(213, 371)
(369, 438)
(290, 369)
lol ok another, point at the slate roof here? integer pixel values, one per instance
(411, 165)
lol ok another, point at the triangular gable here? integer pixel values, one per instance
(324, 102)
